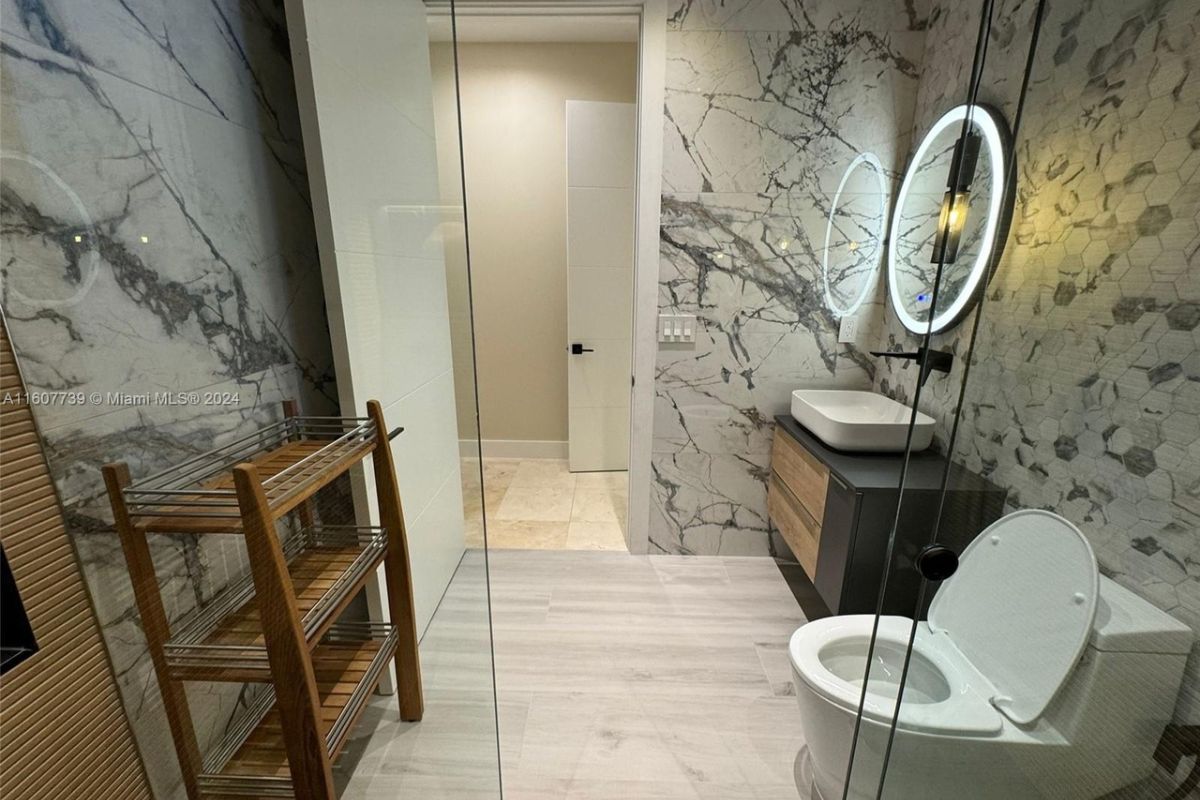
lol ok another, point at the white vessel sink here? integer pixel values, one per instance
(860, 421)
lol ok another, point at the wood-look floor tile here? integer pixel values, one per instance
(618, 676)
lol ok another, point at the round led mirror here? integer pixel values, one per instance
(854, 235)
(953, 209)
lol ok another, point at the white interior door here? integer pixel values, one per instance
(601, 146)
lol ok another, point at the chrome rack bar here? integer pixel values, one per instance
(258, 709)
(362, 692)
(211, 781)
(227, 455)
(187, 647)
(282, 483)
(208, 454)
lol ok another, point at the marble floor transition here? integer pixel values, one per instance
(539, 504)
(618, 676)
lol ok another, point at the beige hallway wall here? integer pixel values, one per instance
(514, 123)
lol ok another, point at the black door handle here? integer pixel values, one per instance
(578, 349)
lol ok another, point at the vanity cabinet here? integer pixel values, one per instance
(835, 511)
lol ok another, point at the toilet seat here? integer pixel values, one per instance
(1021, 608)
(964, 711)
(1003, 636)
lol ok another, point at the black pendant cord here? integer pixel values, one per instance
(1039, 17)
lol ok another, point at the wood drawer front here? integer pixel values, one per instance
(799, 529)
(801, 472)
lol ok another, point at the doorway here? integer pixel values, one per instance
(549, 120)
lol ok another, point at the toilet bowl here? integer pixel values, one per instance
(1033, 677)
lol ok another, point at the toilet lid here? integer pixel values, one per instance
(1020, 608)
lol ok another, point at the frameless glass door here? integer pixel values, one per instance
(1046, 651)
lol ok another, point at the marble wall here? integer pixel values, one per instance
(1083, 394)
(767, 103)
(157, 235)
(1084, 391)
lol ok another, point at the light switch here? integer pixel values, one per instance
(676, 328)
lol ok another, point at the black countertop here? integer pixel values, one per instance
(882, 470)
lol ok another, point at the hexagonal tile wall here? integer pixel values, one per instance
(1084, 392)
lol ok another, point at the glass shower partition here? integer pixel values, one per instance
(1046, 652)
(454, 751)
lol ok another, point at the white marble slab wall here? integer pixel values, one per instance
(156, 235)
(1084, 394)
(767, 102)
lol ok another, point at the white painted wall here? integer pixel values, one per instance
(366, 102)
(514, 98)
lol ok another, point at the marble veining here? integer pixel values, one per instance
(1084, 390)
(157, 236)
(770, 111)
(767, 103)
(226, 57)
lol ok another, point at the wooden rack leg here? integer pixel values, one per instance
(155, 626)
(305, 510)
(399, 572)
(295, 683)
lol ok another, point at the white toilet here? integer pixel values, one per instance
(1033, 677)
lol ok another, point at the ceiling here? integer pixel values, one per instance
(483, 27)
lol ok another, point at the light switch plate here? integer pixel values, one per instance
(676, 328)
(848, 330)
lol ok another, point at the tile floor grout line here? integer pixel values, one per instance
(540, 504)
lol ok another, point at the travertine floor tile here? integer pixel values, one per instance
(526, 493)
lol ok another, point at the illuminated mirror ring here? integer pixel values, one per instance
(870, 160)
(89, 264)
(996, 147)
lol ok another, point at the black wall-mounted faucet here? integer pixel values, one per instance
(929, 360)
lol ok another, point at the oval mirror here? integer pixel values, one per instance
(952, 215)
(854, 235)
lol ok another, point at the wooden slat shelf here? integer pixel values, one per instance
(225, 642)
(278, 626)
(251, 761)
(295, 459)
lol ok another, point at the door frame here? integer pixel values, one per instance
(651, 97)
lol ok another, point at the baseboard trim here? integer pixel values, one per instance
(513, 448)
